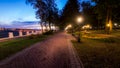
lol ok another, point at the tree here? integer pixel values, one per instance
(70, 12)
(105, 8)
(46, 10)
(88, 10)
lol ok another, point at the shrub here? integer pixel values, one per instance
(48, 32)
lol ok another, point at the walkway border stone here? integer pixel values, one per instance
(74, 58)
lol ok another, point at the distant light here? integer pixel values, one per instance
(69, 26)
(87, 27)
(53, 27)
(83, 27)
(115, 24)
(90, 27)
(108, 25)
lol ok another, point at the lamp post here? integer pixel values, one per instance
(79, 21)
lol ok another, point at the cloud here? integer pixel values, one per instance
(34, 26)
(20, 19)
(6, 22)
(29, 18)
(24, 25)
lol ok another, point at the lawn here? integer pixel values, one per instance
(10, 47)
(99, 52)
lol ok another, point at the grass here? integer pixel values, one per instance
(99, 52)
(10, 47)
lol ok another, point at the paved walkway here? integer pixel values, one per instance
(55, 52)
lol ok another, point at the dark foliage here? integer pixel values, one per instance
(70, 12)
(48, 32)
(108, 10)
(90, 16)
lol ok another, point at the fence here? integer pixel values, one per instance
(17, 34)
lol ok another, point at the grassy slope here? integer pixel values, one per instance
(99, 53)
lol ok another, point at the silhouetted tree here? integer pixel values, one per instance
(90, 16)
(70, 12)
(105, 10)
(46, 10)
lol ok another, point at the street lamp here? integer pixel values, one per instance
(108, 25)
(115, 24)
(79, 21)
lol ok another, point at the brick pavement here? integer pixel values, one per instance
(54, 52)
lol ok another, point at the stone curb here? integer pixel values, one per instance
(74, 58)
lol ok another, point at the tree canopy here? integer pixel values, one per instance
(107, 10)
(98, 15)
(47, 10)
(70, 12)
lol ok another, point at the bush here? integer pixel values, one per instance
(48, 32)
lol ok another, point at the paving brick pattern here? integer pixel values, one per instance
(55, 52)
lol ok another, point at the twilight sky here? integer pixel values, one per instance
(18, 10)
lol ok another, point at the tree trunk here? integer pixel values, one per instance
(41, 26)
(49, 26)
(109, 21)
(46, 26)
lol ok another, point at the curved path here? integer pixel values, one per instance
(54, 52)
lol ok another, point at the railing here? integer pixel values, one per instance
(17, 34)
